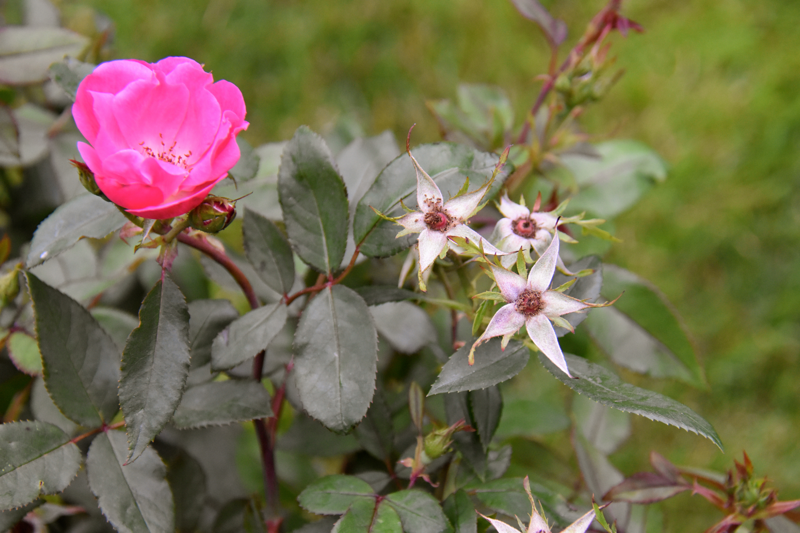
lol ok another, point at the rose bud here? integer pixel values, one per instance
(213, 215)
(86, 176)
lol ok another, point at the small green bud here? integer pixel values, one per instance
(437, 443)
(213, 215)
(87, 177)
(563, 84)
(9, 285)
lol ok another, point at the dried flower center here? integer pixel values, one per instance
(529, 303)
(168, 155)
(437, 220)
(524, 227)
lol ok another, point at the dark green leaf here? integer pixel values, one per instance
(268, 251)
(362, 160)
(11, 517)
(375, 432)
(486, 406)
(377, 295)
(364, 517)
(468, 443)
(24, 353)
(554, 29)
(207, 318)
(188, 484)
(395, 320)
(69, 73)
(336, 349)
(642, 331)
(325, 525)
(135, 497)
(27, 52)
(309, 437)
(482, 116)
(247, 335)
(247, 166)
(625, 171)
(604, 387)
(314, 201)
(586, 288)
(334, 494)
(37, 459)
(81, 362)
(419, 511)
(532, 417)
(85, 216)
(603, 427)
(459, 510)
(222, 402)
(449, 164)
(492, 366)
(155, 365)
(118, 324)
(239, 515)
(44, 410)
(508, 496)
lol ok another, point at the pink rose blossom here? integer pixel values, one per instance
(160, 135)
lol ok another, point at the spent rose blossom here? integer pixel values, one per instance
(160, 135)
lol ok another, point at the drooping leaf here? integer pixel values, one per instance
(369, 516)
(268, 251)
(24, 353)
(377, 295)
(26, 52)
(314, 201)
(468, 443)
(493, 365)
(336, 350)
(375, 432)
(207, 318)
(395, 320)
(334, 494)
(81, 362)
(486, 406)
(585, 288)
(37, 459)
(419, 511)
(245, 169)
(604, 387)
(85, 216)
(134, 497)
(118, 324)
(642, 331)
(611, 184)
(222, 402)
(459, 510)
(449, 164)
(187, 482)
(554, 29)
(69, 73)
(247, 335)
(155, 365)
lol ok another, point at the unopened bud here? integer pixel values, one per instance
(437, 443)
(9, 285)
(213, 215)
(87, 177)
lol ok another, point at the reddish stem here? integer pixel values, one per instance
(98, 430)
(319, 286)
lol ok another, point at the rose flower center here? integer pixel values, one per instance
(437, 220)
(524, 227)
(529, 303)
(167, 155)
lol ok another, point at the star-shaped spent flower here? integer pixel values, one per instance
(538, 524)
(532, 304)
(438, 221)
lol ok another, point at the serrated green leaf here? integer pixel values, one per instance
(369, 516)
(461, 513)
(187, 482)
(336, 347)
(222, 402)
(377, 295)
(493, 365)
(449, 164)
(69, 73)
(394, 321)
(625, 171)
(81, 362)
(247, 335)
(314, 201)
(44, 410)
(268, 251)
(135, 498)
(26, 52)
(37, 459)
(245, 169)
(155, 365)
(419, 511)
(24, 353)
(376, 432)
(604, 387)
(655, 341)
(334, 494)
(207, 318)
(11, 517)
(486, 407)
(85, 216)
(118, 324)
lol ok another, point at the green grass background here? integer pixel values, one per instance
(712, 85)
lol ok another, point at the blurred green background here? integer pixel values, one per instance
(711, 85)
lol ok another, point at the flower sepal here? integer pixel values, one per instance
(213, 215)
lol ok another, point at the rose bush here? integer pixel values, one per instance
(160, 135)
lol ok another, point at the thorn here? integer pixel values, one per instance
(408, 138)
